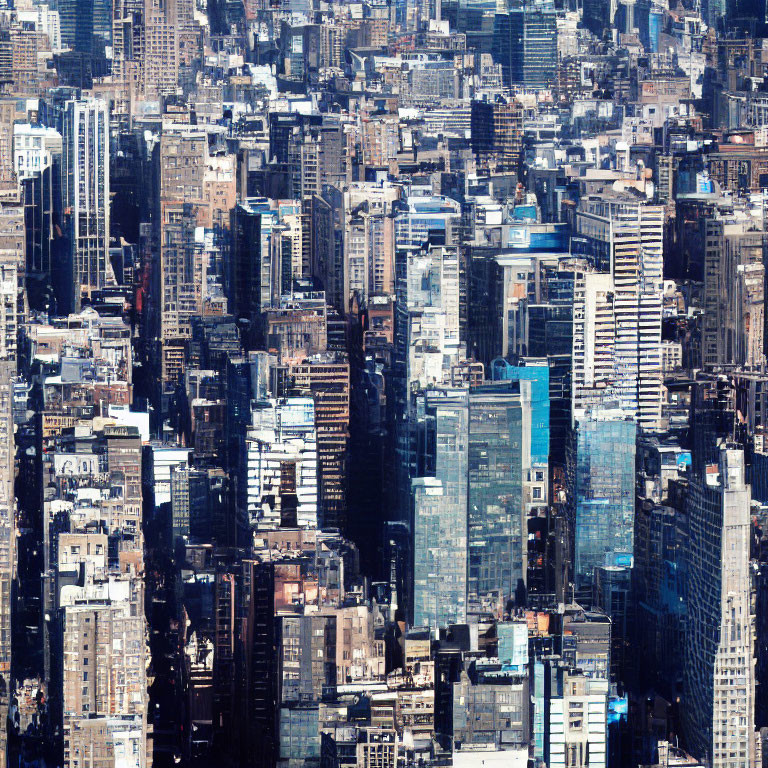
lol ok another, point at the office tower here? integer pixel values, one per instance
(309, 148)
(537, 372)
(160, 63)
(9, 298)
(280, 464)
(617, 312)
(469, 505)
(178, 287)
(525, 44)
(196, 190)
(13, 235)
(499, 460)
(85, 169)
(247, 382)
(430, 220)
(497, 134)
(127, 52)
(86, 35)
(612, 594)
(713, 11)
(37, 158)
(719, 670)
(440, 524)
(246, 290)
(326, 379)
(369, 240)
(267, 256)
(427, 339)
(93, 592)
(224, 724)
(380, 144)
(7, 544)
(427, 313)
(326, 250)
(83, 20)
(77, 22)
(733, 292)
(275, 262)
(594, 336)
(104, 671)
(601, 479)
(13, 297)
(586, 643)
(260, 680)
(655, 26)
(194, 507)
(307, 651)
(658, 583)
(598, 15)
(323, 156)
(8, 116)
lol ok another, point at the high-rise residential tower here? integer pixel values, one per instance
(85, 168)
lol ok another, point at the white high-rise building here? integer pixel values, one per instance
(34, 148)
(719, 702)
(281, 464)
(428, 314)
(617, 311)
(85, 170)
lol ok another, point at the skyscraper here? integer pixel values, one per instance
(196, 190)
(369, 242)
(279, 465)
(326, 379)
(602, 489)
(245, 279)
(440, 525)
(617, 310)
(7, 546)
(719, 683)
(469, 511)
(499, 456)
(497, 133)
(525, 44)
(85, 164)
(37, 159)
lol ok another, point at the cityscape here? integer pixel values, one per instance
(383, 383)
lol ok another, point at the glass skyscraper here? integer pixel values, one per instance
(602, 478)
(537, 372)
(440, 520)
(525, 43)
(469, 515)
(497, 521)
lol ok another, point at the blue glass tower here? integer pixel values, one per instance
(602, 480)
(537, 372)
